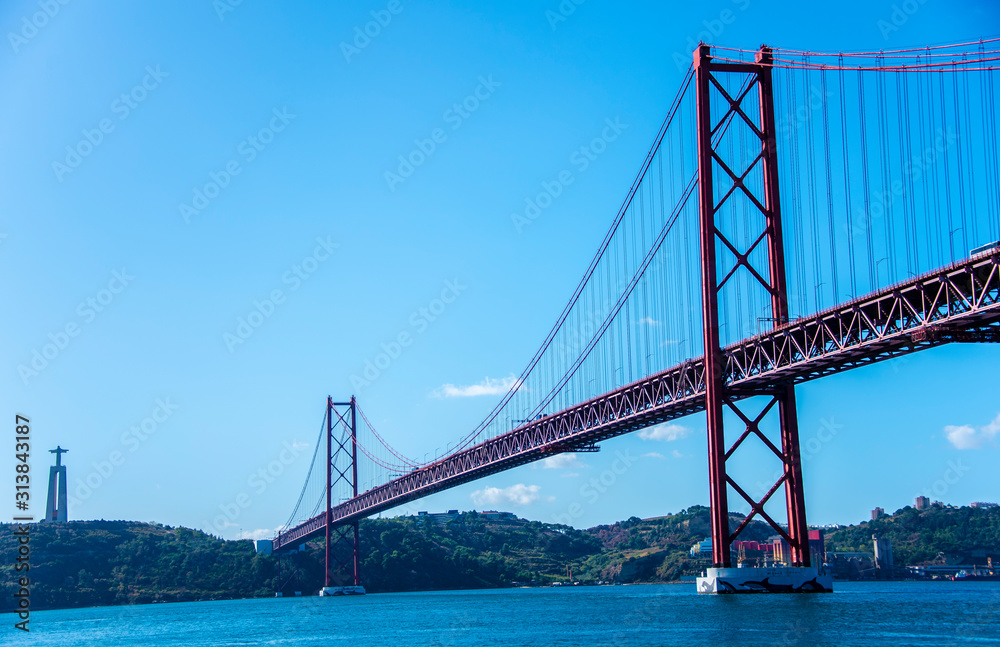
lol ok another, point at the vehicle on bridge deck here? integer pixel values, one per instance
(985, 248)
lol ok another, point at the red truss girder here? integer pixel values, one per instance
(963, 297)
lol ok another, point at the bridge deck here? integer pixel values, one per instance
(960, 302)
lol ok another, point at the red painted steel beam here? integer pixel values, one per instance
(329, 487)
(713, 360)
(354, 484)
(788, 415)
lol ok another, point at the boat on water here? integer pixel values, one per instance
(976, 575)
(987, 574)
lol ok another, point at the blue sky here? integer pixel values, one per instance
(118, 115)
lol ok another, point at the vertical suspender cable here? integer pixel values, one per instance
(904, 189)
(847, 181)
(863, 127)
(829, 190)
(961, 163)
(817, 269)
(945, 135)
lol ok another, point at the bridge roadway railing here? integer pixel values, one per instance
(960, 302)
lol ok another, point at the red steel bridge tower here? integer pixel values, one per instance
(717, 178)
(341, 567)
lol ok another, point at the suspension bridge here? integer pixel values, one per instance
(714, 291)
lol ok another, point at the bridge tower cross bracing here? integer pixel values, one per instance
(718, 397)
(345, 534)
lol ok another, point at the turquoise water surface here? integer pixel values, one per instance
(864, 613)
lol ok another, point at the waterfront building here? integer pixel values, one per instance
(883, 557)
(817, 547)
(702, 548)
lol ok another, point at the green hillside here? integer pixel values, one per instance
(657, 549)
(88, 563)
(937, 534)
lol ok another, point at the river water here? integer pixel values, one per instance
(858, 613)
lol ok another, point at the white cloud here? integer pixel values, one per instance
(488, 386)
(562, 461)
(991, 430)
(649, 321)
(666, 431)
(654, 455)
(968, 437)
(676, 454)
(260, 533)
(519, 494)
(962, 437)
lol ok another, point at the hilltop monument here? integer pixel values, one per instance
(55, 508)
